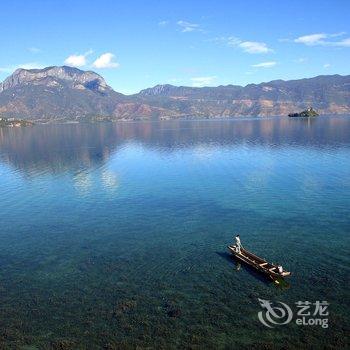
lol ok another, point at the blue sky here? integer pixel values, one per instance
(138, 44)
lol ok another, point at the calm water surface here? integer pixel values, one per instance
(114, 235)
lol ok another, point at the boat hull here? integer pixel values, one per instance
(258, 263)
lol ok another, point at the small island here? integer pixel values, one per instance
(12, 122)
(310, 112)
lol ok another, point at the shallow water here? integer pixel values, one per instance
(114, 235)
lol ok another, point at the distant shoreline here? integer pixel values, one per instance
(136, 120)
(14, 123)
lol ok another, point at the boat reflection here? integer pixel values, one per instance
(238, 267)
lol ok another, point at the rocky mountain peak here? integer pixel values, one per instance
(56, 75)
(162, 89)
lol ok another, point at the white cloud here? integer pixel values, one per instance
(343, 43)
(323, 39)
(254, 47)
(106, 61)
(233, 41)
(30, 65)
(202, 81)
(77, 60)
(188, 27)
(326, 65)
(265, 64)
(312, 39)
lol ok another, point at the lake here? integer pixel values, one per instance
(115, 235)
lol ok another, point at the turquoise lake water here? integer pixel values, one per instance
(114, 236)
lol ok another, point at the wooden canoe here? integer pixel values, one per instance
(258, 263)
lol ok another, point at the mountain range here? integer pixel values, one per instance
(67, 93)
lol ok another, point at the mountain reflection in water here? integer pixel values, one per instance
(58, 148)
